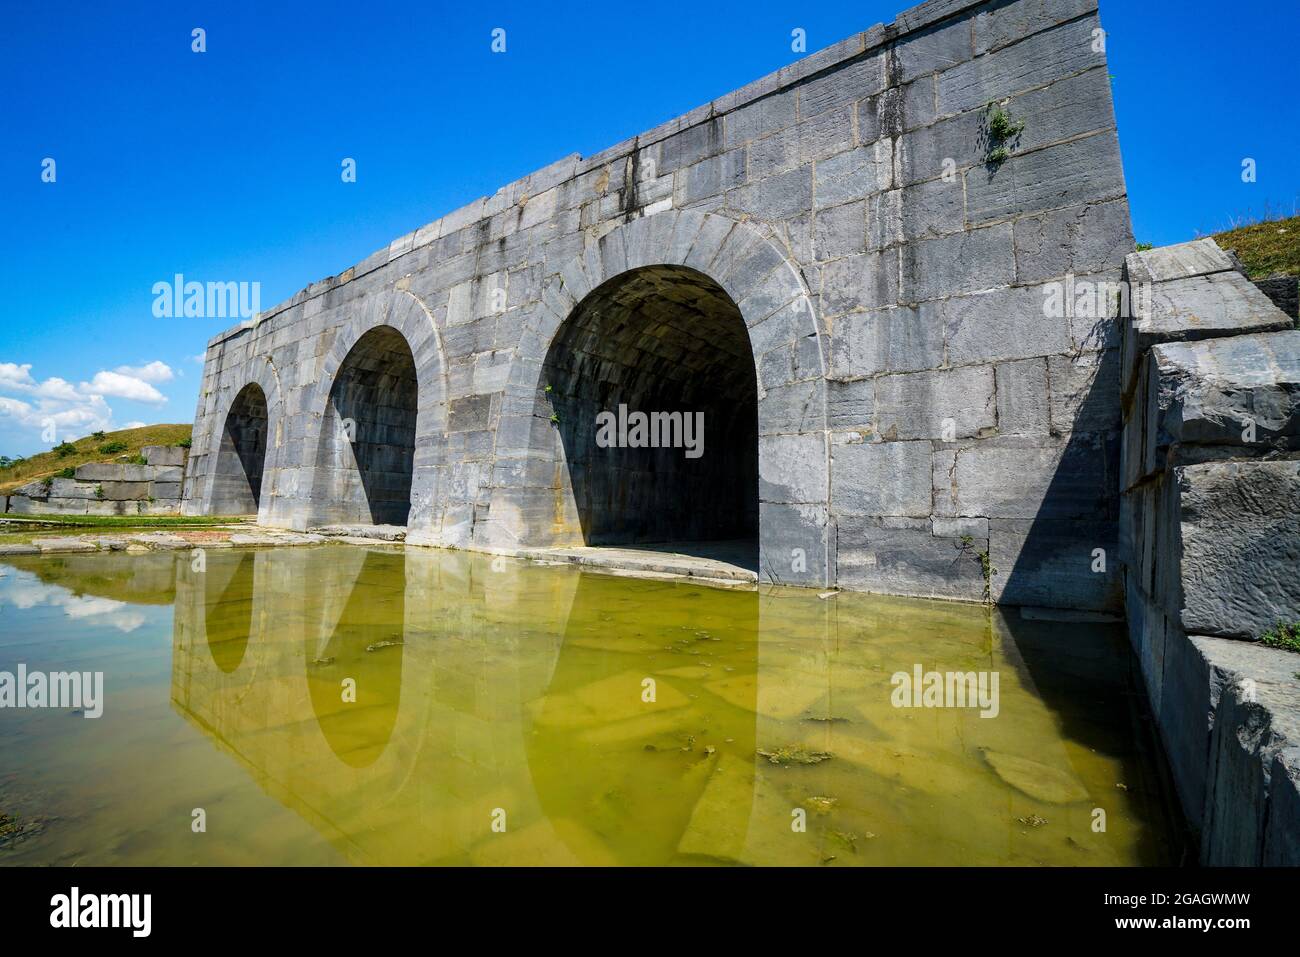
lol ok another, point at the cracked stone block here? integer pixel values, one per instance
(1240, 547)
(1195, 308)
(1254, 755)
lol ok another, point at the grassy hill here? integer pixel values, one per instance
(1266, 248)
(122, 447)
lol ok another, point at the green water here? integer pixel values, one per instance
(507, 713)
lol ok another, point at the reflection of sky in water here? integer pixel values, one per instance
(25, 591)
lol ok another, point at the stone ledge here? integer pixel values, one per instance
(1252, 796)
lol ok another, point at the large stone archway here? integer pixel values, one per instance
(532, 500)
(395, 324)
(247, 459)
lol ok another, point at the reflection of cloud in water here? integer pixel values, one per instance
(24, 591)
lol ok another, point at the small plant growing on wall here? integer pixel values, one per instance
(99, 492)
(1002, 131)
(1283, 636)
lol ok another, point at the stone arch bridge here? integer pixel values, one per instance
(825, 265)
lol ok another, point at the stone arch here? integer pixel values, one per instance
(529, 505)
(409, 319)
(260, 384)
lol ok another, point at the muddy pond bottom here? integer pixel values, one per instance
(344, 705)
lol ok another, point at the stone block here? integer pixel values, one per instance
(855, 174)
(792, 468)
(1201, 257)
(1079, 240)
(961, 263)
(1050, 563)
(949, 404)
(1023, 404)
(1085, 392)
(1200, 307)
(1023, 479)
(165, 490)
(880, 478)
(61, 488)
(855, 283)
(793, 544)
(841, 231)
(123, 491)
(1030, 63)
(872, 556)
(1240, 547)
(1256, 730)
(933, 49)
(163, 454)
(1079, 172)
(1001, 324)
(1219, 391)
(848, 84)
(1003, 24)
(899, 339)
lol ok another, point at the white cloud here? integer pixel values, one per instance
(153, 372)
(89, 413)
(16, 378)
(135, 424)
(54, 406)
(121, 386)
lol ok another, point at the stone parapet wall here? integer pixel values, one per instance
(1210, 542)
(109, 488)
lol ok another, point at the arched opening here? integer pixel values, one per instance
(367, 444)
(237, 481)
(650, 384)
(361, 654)
(228, 607)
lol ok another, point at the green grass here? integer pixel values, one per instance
(90, 449)
(35, 522)
(1283, 636)
(1265, 248)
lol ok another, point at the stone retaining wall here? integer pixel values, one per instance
(1210, 540)
(109, 488)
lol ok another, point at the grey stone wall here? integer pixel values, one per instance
(109, 488)
(921, 414)
(1210, 531)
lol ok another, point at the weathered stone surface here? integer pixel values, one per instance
(1079, 240)
(1211, 544)
(122, 491)
(163, 454)
(901, 339)
(881, 478)
(54, 545)
(1199, 307)
(1254, 754)
(873, 555)
(1241, 547)
(1198, 258)
(113, 472)
(949, 405)
(1242, 391)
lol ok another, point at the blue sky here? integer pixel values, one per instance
(225, 165)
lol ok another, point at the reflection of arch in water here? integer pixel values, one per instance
(480, 645)
(644, 766)
(228, 607)
(363, 646)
